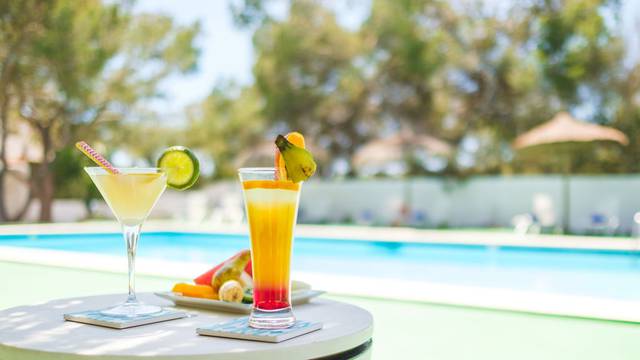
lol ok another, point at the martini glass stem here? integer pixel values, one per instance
(131, 236)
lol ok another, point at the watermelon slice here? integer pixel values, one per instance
(205, 279)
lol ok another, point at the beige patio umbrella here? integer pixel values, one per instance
(560, 133)
(396, 147)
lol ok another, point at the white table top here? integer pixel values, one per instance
(39, 332)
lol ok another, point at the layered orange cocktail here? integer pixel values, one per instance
(271, 207)
(271, 197)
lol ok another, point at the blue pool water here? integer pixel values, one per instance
(613, 274)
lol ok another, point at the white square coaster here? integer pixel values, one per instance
(239, 329)
(95, 317)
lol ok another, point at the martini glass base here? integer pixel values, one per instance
(131, 309)
(271, 319)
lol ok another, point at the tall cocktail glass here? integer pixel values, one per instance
(131, 194)
(272, 207)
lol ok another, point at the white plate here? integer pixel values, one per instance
(297, 298)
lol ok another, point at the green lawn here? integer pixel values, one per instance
(405, 330)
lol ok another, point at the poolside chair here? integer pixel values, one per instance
(542, 218)
(525, 224)
(544, 212)
(365, 217)
(602, 224)
(418, 218)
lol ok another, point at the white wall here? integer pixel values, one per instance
(478, 201)
(493, 201)
(327, 201)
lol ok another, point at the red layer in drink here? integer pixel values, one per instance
(271, 298)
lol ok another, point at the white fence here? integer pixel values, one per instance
(476, 202)
(480, 201)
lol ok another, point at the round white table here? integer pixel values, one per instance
(39, 332)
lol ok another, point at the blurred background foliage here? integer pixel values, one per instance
(470, 73)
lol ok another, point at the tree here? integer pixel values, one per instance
(145, 139)
(422, 65)
(581, 63)
(311, 73)
(626, 117)
(471, 73)
(90, 63)
(16, 31)
(575, 45)
(224, 124)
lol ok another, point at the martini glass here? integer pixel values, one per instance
(131, 194)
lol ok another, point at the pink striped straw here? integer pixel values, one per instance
(97, 158)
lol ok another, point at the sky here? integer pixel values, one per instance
(227, 52)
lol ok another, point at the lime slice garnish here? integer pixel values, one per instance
(181, 165)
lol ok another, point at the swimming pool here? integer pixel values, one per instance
(596, 273)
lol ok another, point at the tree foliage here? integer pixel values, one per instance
(466, 72)
(307, 72)
(77, 65)
(226, 123)
(471, 73)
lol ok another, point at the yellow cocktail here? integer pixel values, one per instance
(131, 194)
(272, 208)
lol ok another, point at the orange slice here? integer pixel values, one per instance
(296, 139)
(270, 184)
(199, 291)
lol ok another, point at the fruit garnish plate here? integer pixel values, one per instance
(298, 297)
